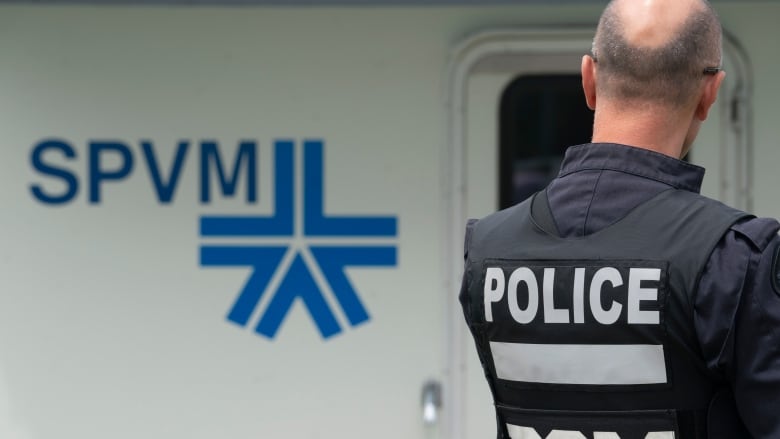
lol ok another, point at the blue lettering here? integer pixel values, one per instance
(282, 222)
(165, 191)
(70, 180)
(96, 172)
(210, 157)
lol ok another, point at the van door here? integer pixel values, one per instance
(516, 105)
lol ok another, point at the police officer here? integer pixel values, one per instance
(618, 302)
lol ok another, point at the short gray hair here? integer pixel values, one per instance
(669, 74)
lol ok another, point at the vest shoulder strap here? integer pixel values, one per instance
(759, 231)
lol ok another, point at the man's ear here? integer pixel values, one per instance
(588, 70)
(709, 95)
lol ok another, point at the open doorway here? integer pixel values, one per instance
(540, 116)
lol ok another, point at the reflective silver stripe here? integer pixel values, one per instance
(517, 432)
(579, 363)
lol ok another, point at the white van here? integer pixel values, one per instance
(245, 220)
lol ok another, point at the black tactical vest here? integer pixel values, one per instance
(593, 336)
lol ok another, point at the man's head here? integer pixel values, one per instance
(651, 55)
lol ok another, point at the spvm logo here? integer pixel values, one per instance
(298, 253)
(296, 263)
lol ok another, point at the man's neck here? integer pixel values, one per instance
(653, 129)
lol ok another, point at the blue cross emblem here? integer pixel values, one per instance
(298, 282)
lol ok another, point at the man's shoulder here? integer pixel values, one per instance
(758, 232)
(745, 230)
(485, 230)
(696, 199)
(500, 218)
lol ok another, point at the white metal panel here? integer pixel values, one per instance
(109, 325)
(753, 26)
